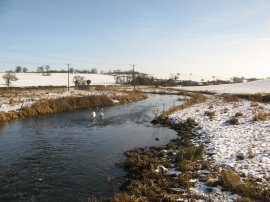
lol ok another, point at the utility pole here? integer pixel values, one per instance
(133, 77)
(68, 76)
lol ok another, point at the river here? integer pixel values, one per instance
(69, 156)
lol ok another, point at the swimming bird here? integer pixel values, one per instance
(101, 114)
(93, 115)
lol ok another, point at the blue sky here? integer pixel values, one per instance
(205, 38)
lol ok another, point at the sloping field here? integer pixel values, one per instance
(56, 79)
(260, 86)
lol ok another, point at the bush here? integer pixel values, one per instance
(233, 121)
(261, 117)
(238, 114)
(232, 182)
(210, 114)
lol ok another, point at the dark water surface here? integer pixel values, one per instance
(68, 156)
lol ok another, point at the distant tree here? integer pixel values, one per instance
(79, 81)
(18, 69)
(237, 79)
(47, 72)
(25, 69)
(40, 69)
(93, 71)
(9, 77)
(88, 82)
(71, 70)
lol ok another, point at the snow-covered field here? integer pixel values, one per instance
(260, 86)
(244, 147)
(56, 79)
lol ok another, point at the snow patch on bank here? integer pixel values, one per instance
(226, 142)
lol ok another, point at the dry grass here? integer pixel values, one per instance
(233, 121)
(232, 182)
(261, 117)
(195, 99)
(48, 106)
(238, 114)
(230, 98)
(210, 114)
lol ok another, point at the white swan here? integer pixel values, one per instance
(101, 114)
(93, 115)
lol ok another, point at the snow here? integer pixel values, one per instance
(56, 79)
(253, 87)
(216, 194)
(226, 142)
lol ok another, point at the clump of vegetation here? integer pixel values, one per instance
(233, 121)
(230, 98)
(240, 156)
(9, 77)
(225, 110)
(190, 153)
(243, 200)
(210, 114)
(261, 117)
(255, 97)
(195, 99)
(232, 182)
(211, 107)
(251, 153)
(191, 122)
(238, 114)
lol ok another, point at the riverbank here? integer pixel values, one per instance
(20, 104)
(215, 158)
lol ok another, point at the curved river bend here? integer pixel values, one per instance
(68, 156)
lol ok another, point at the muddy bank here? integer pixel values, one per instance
(49, 106)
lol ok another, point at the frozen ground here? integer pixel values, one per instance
(260, 86)
(56, 79)
(244, 147)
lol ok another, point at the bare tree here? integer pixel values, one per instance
(40, 69)
(47, 71)
(9, 77)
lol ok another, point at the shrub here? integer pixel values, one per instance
(190, 153)
(191, 122)
(240, 156)
(232, 182)
(225, 110)
(211, 114)
(238, 114)
(233, 121)
(261, 117)
(243, 200)
(230, 98)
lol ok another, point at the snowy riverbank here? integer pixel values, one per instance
(245, 146)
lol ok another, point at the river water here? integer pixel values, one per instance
(69, 156)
